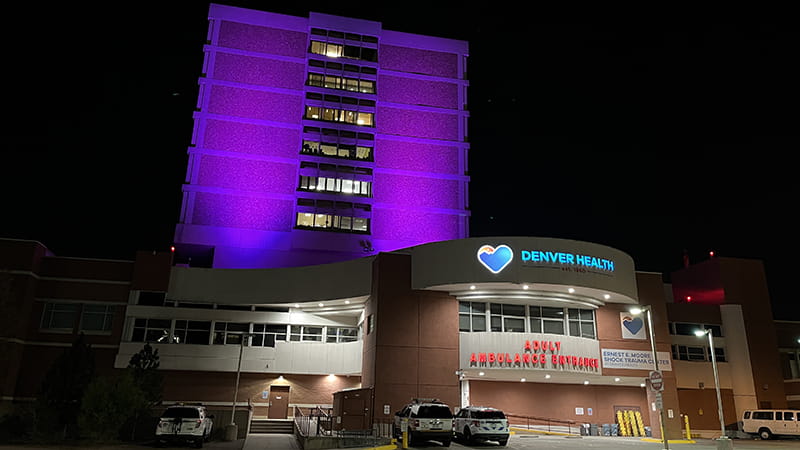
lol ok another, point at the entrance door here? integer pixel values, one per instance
(278, 402)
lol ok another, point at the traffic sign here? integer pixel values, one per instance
(656, 380)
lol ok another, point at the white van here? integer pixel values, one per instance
(771, 422)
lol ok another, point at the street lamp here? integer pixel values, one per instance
(231, 430)
(699, 333)
(636, 311)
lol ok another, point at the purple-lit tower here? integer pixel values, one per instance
(323, 139)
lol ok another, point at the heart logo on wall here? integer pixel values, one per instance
(633, 325)
(495, 258)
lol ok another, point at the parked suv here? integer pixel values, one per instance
(185, 424)
(428, 420)
(481, 423)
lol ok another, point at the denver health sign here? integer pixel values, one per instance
(495, 259)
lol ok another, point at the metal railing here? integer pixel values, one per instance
(544, 424)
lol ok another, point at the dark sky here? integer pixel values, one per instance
(648, 138)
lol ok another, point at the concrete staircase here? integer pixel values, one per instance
(273, 426)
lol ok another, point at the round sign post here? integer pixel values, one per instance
(656, 380)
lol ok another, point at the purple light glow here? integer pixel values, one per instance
(417, 156)
(418, 92)
(236, 173)
(242, 212)
(259, 71)
(262, 39)
(417, 191)
(242, 198)
(422, 124)
(255, 104)
(249, 138)
(414, 60)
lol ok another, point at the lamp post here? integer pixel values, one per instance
(636, 311)
(231, 430)
(723, 441)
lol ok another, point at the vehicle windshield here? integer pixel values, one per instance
(190, 413)
(489, 414)
(435, 412)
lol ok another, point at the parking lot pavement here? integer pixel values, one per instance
(217, 445)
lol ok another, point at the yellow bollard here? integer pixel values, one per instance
(404, 427)
(688, 431)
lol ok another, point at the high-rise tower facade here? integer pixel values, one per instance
(323, 139)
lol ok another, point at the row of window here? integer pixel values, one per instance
(366, 119)
(153, 298)
(334, 50)
(342, 83)
(474, 316)
(89, 317)
(688, 329)
(205, 332)
(359, 152)
(335, 66)
(338, 185)
(331, 204)
(332, 222)
(342, 35)
(696, 353)
(771, 415)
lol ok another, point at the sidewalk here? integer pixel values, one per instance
(286, 442)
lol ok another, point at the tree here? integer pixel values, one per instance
(108, 404)
(143, 366)
(61, 391)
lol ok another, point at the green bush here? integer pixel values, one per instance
(107, 405)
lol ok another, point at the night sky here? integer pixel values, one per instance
(649, 138)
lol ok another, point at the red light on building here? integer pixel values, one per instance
(688, 298)
(711, 253)
(172, 249)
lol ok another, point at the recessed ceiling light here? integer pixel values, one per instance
(641, 385)
(586, 382)
(571, 290)
(547, 376)
(320, 305)
(296, 305)
(522, 380)
(525, 286)
(480, 373)
(347, 302)
(472, 287)
(616, 379)
(606, 296)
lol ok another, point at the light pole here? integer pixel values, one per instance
(231, 430)
(721, 442)
(636, 311)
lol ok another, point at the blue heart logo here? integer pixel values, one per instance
(495, 259)
(633, 325)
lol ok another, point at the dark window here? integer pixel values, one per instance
(763, 415)
(148, 298)
(184, 413)
(434, 412)
(488, 414)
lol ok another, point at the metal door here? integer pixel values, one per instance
(278, 402)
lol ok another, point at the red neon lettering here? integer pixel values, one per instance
(491, 357)
(562, 360)
(554, 359)
(482, 357)
(581, 362)
(516, 358)
(501, 358)
(536, 345)
(472, 358)
(574, 360)
(508, 358)
(527, 346)
(526, 358)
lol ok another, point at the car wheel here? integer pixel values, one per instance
(467, 435)
(765, 434)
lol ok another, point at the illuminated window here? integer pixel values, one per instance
(60, 316)
(332, 50)
(508, 318)
(357, 152)
(338, 185)
(265, 335)
(332, 222)
(341, 83)
(229, 333)
(340, 115)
